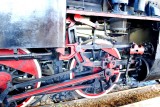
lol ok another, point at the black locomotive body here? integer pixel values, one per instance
(90, 46)
(29, 24)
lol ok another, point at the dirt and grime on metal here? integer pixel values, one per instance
(114, 99)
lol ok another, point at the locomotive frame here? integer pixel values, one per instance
(62, 58)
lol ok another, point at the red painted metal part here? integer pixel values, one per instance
(136, 49)
(79, 18)
(69, 20)
(105, 14)
(4, 79)
(52, 87)
(111, 51)
(72, 54)
(67, 39)
(87, 62)
(111, 65)
(67, 89)
(68, 56)
(27, 66)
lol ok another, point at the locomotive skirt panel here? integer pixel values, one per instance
(32, 23)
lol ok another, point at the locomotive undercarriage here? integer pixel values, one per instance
(91, 65)
(98, 54)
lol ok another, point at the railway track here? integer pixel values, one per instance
(114, 99)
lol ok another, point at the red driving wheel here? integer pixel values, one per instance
(90, 92)
(18, 71)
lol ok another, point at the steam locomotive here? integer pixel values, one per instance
(90, 46)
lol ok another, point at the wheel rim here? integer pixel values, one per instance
(88, 95)
(23, 69)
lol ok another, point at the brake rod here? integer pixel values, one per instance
(53, 87)
(68, 89)
(95, 46)
(41, 79)
(26, 56)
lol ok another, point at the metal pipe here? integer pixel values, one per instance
(24, 56)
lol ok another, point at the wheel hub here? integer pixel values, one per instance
(4, 79)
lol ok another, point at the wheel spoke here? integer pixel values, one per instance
(17, 72)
